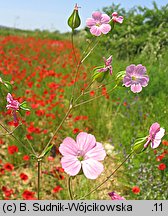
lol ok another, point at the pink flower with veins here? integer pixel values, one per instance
(107, 65)
(136, 77)
(155, 135)
(98, 24)
(116, 18)
(115, 196)
(83, 154)
(13, 105)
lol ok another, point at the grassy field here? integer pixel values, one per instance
(41, 68)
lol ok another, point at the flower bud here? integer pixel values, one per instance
(74, 20)
(6, 84)
(98, 76)
(139, 145)
(120, 75)
(24, 106)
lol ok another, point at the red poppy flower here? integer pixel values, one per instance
(12, 149)
(7, 192)
(160, 157)
(8, 166)
(26, 158)
(136, 190)
(76, 130)
(23, 176)
(165, 142)
(57, 189)
(28, 195)
(162, 166)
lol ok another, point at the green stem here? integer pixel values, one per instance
(87, 101)
(57, 129)
(89, 52)
(78, 67)
(69, 188)
(73, 48)
(38, 181)
(107, 177)
(11, 133)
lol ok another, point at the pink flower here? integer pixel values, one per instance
(136, 78)
(115, 196)
(155, 135)
(107, 65)
(13, 105)
(116, 18)
(83, 154)
(98, 23)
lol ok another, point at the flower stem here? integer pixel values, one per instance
(128, 156)
(73, 48)
(69, 188)
(84, 57)
(87, 101)
(90, 51)
(38, 180)
(57, 129)
(11, 133)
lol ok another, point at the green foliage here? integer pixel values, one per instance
(144, 31)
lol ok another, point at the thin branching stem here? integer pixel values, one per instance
(57, 129)
(18, 140)
(92, 99)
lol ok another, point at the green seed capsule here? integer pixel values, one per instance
(74, 20)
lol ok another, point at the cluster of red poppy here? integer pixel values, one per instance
(41, 72)
(46, 70)
(161, 154)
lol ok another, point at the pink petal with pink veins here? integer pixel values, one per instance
(92, 168)
(68, 147)
(85, 142)
(71, 165)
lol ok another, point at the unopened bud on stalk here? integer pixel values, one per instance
(98, 76)
(139, 145)
(74, 20)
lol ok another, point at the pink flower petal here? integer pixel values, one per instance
(155, 143)
(130, 69)
(102, 69)
(97, 15)
(9, 98)
(160, 134)
(90, 22)
(155, 127)
(108, 61)
(115, 196)
(119, 19)
(140, 70)
(68, 147)
(105, 28)
(144, 81)
(71, 165)
(111, 69)
(95, 30)
(92, 168)
(136, 88)
(127, 81)
(105, 19)
(97, 153)
(85, 142)
(114, 14)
